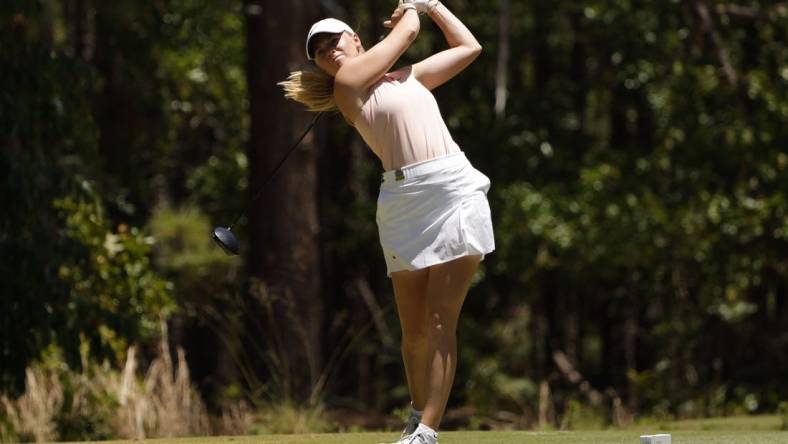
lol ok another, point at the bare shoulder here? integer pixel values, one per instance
(349, 99)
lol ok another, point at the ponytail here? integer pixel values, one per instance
(311, 87)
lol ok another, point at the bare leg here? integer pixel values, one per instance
(410, 288)
(447, 286)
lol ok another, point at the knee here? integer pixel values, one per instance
(440, 328)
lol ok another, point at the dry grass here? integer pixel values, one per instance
(163, 404)
(32, 415)
(120, 404)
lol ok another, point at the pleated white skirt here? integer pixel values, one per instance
(432, 212)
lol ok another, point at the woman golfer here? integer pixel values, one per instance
(433, 216)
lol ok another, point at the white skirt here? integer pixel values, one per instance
(432, 212)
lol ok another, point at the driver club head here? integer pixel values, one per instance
(226, 239)
(224, 236)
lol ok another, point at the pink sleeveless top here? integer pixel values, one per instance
(401, 122)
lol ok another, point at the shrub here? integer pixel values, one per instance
(288, 418)
(584, 417)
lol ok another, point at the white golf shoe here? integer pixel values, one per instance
(422, 435)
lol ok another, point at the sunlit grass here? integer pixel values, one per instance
(576, 437)
(751, 423)
(738, 430)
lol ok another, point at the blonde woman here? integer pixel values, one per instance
(433, 217)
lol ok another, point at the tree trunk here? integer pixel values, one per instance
(75, 16)
(501, 83)
(284, 255)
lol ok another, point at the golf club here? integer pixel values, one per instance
(224, 236)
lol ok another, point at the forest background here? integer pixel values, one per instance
(637, 151)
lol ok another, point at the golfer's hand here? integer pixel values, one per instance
(397, 15)
(422, 6)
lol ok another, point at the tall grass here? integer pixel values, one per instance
(164, 403)
(31, 417)
(99, 402)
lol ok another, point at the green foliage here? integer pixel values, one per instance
(204, 100)
(783, 411)
(65, 272)
(286, 418)
(88, 407)
(113, 290)
(494, 384)
(638, 185)
(204, 279)
(490, 388)
(185, 249)
(579, 416)
(639, 197)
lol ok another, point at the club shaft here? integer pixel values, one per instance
(277, 168)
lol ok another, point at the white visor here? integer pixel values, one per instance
(330, 26)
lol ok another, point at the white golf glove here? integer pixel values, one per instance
(422, 6)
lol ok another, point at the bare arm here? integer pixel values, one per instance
(463, 49)
(359, 73)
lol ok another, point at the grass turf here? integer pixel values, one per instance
(744, 430)
(576, 437)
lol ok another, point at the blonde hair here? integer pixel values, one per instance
(311, 87)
